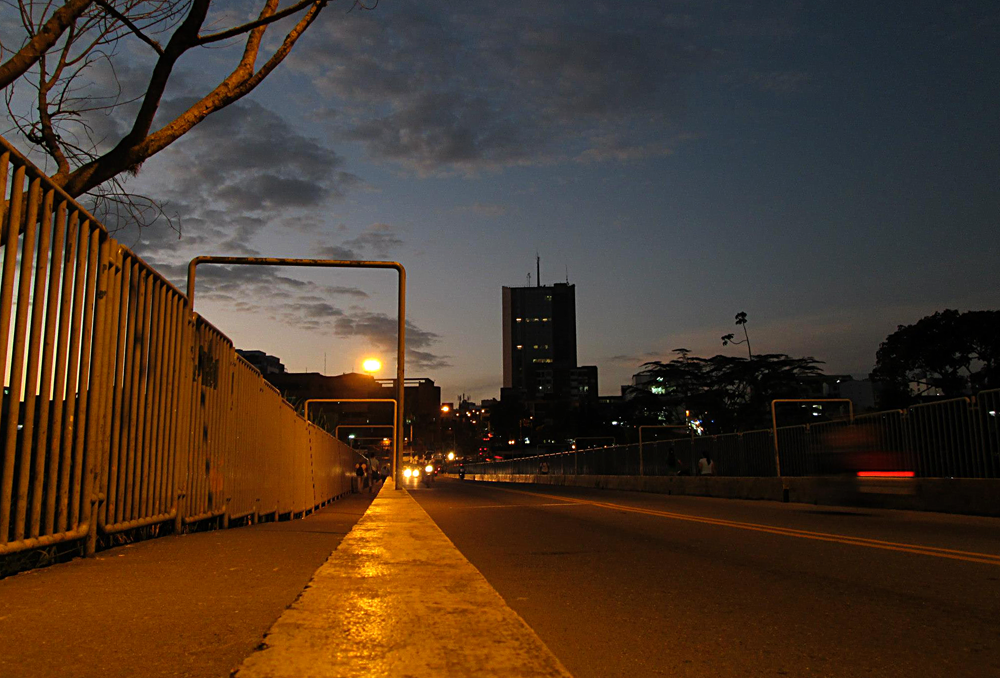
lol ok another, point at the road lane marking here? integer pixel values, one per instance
(935, 551)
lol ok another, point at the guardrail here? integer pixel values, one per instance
(958, 438)
(121, 409)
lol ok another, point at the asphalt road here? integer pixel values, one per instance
(630, 584)
(194, 605)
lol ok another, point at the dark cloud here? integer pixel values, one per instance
(469, 86)
(255, 286)
(305, 305)
(378, 240)
(380, 330)
(240, 171)
(249, 159)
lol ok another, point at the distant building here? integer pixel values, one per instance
(265, 364)
(860, 392)
(539, 344)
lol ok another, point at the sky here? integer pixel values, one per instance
(830, 168)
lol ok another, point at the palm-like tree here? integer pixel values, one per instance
(741, 319)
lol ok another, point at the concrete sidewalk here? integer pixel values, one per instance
(397, 598)
(194, 605)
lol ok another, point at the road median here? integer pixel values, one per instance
(398, 598)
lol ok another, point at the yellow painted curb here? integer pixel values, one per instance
(397, 598)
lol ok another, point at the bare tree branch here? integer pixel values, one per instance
(131, 26)
(136, 147)
(238, 30)
(42, 41)
(63, 49)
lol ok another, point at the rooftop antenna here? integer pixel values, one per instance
(538, 269)
(567, 274)
(529, 279)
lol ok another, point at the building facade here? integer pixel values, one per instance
(539, 343)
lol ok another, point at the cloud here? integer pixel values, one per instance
(469, 87)
(249, 158)
(336, 252)
(255, 286)
(380, 329)
(377, 240)
(240, 171)
(491, 210)
(308, 306)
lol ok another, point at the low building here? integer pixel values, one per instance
(265, 364)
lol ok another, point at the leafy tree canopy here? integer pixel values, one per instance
(955, 352)
(729, 393)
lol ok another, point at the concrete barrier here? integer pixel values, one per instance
(970, 496)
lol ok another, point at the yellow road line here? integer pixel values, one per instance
(938, 552)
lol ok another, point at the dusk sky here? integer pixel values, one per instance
(831, 168)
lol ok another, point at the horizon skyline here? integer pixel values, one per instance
(830, 169)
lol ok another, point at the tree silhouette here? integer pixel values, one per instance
(741, 319)
(953, 352)
(728, 393)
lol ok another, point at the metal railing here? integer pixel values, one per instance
(122, 409)
(958, 438)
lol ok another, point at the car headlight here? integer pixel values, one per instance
(429, 469)
(416, 473)
(407, 473)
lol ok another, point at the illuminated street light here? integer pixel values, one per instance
(451, 456)
(445, 409)
(371, 365)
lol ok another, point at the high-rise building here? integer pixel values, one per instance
(539, 343)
